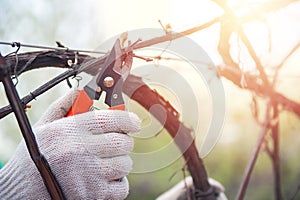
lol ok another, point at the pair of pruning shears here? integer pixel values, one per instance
(110, 79)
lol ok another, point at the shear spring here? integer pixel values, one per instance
(93, 108)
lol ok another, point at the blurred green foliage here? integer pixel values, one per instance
(228, 160)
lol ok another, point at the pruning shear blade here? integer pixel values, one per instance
(110, 79)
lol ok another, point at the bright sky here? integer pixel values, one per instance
(134, 14)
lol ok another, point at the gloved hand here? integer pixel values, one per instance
(179, 191)
(87, 153)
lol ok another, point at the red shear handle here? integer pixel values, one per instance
(118, 107)
(81, 104)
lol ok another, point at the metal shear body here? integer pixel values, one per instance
(110, 79)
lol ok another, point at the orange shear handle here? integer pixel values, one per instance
(83, 103)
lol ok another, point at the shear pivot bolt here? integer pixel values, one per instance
(108, 81)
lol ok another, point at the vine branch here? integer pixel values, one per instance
(258, 84)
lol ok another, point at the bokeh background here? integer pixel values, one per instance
(85, 24)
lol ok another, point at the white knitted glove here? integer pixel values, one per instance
(179, 191)
(87, 153)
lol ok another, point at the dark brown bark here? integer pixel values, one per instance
(173, 125)
(137, 90)
(256, 85)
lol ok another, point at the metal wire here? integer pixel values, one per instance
(15, 44)
(50, 48)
